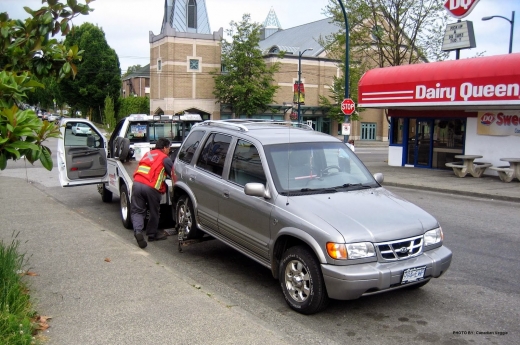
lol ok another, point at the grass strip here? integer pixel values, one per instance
(16, 313)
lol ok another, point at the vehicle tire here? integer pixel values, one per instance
(301, 281)
(185, 218)
(124, 149)
(106, 195)
(417, 286)
(124, 201)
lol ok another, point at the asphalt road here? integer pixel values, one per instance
(479, 293)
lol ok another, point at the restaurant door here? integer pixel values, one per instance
(419, 143)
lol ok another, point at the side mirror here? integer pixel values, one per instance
(91, 141)
(379, 177)
(256, 189)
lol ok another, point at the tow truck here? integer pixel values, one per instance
(87, 157)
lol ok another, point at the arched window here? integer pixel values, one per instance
(192, 14)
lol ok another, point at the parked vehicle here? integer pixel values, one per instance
(303, 205)
(81, 129)
(54, 118)
(110, 164)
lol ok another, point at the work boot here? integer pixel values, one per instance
(140, 240)
(159, 236)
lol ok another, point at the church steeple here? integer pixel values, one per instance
(271, 24)
(186, 16)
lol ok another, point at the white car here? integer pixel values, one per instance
(53, 117)
(81, 128)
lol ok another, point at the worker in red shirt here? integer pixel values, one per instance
(147, 191)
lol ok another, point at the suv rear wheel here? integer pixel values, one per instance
(185, 219)
(301, 281)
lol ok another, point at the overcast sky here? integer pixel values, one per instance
(127, 23)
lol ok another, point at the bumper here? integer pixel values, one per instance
(351, 282)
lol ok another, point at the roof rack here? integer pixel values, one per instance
(242, 124)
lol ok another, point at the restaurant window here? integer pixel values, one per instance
(448, 141)
(397, 131)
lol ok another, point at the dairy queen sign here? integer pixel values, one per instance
(460, 8)
(484, 81)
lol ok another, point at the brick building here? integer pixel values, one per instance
(137, 83)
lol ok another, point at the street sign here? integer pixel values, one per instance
(348, 106)
(460, 8)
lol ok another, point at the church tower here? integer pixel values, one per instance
(181, 57)
(271, 25)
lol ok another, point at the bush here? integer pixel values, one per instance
(16, 327)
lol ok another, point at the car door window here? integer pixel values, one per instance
(214, 153)
(246, 165)
(190, 146)
(81, 134)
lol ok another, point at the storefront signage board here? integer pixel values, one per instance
(499, 122)
(459, 35)
(493, 80)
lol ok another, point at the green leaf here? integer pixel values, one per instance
(24, 145)
(45, 158)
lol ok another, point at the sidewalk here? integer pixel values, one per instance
(102, 290)
(445, 181)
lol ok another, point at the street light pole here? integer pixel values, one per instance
(300, 81)
(347, 79)
(512, 22)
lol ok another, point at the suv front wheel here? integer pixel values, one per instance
(185, 218)
(301, 281)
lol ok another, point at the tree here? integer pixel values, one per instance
(99, 73)
(246, 82)
(133, 105)
(383, 33)
(132, 69)
(110, 118)
(29, 52)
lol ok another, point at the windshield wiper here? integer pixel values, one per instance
(325, 190)
(348, 185)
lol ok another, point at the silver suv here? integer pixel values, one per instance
(303, 205)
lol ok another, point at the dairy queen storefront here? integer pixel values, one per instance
(442, 109)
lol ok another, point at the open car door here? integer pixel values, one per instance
(82, 154)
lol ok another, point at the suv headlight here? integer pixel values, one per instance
(342, 251)
(433, 236)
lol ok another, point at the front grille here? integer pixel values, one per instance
(400, 249)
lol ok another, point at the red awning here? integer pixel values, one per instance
(491, 82)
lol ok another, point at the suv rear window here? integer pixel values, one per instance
(190, 146)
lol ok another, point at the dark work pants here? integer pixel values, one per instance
(145, 198)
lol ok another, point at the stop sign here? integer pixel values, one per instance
(348, 106)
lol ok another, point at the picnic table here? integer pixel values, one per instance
(508, 173)
(468, 166)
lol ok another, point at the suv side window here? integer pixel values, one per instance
(190, 146)
(246, 165)
(214, 153)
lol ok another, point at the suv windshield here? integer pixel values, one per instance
(316, 167)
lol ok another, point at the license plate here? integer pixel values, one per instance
(413, 274)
